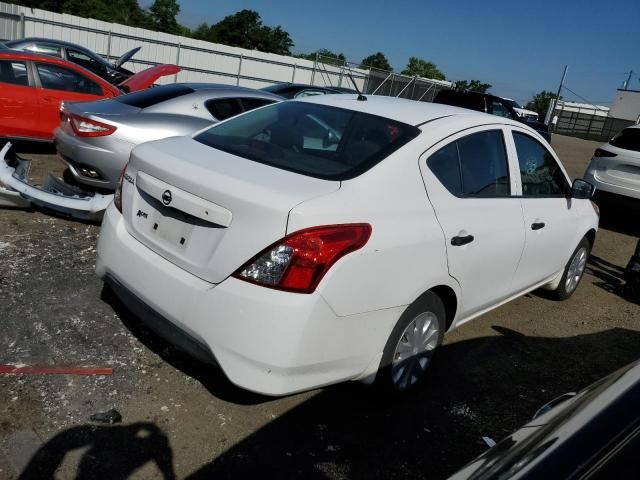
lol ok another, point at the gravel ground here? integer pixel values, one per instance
(182, 420)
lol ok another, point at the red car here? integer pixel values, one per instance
(32, 86)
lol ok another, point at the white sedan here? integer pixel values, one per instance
(328, 239)
(615, 166)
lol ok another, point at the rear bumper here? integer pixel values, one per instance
(77, 153)
(603, 181)
(265, 340)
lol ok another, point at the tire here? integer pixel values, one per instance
(573, 271)
(418, 334)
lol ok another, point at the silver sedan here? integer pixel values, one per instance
(95, 139)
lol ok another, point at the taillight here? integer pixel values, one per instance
(85, 127)
(298, 262)
(117, 196)
(603, 153)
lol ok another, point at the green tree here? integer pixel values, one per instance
(540, 102)
(163, 15)
(376, 60)
(325, 56)
(472, 85)
(422, 68)
(244, 29)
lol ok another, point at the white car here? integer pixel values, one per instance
(615, 166)
(327, 239)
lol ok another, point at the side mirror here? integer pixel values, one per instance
(582, 189)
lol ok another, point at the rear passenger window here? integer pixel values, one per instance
(13, 72)
(224, 108)
(473, 166)
(540, 173)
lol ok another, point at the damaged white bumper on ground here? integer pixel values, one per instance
(55, 195)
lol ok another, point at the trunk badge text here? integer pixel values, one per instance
(129, 178)
(142, 214)
(166, 197)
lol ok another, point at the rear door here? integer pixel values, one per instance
(549, 220)
(469, 185)
(57, 84)
(20, 114)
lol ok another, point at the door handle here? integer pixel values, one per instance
(458, 241)
(537, 225)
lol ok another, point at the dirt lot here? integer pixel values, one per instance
(182, 420)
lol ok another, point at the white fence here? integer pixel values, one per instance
(200, 61)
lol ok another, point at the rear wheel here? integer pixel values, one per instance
(573, 271)
(412, 344)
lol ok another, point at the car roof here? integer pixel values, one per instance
(400, 109)
(47, 40)
(222, 88)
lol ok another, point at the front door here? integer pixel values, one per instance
(57, 84)
(468, 183)
(549, 220)
(18, 102)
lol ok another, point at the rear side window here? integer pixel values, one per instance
(629, 139)
(315, 140)
(55, 77)
(251, 103)
(473, 166)
(224, 108)
(152, 96)
(13, 72)
(540, 173)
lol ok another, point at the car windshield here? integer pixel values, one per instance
(152, 96)
(513, 103)
(314, 140)
(629, 139)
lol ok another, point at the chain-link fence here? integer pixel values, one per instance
(377, 81)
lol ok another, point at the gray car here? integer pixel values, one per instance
(95, 139)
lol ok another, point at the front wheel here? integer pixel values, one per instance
(573, 271)
(412, 344)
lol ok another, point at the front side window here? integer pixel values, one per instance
(83, 60)
(55, 77)
(14, 73)
(315, 140)
(496, 107)
(251, 103)
(540, 173)
(473, 166)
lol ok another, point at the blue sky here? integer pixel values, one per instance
(520, 47)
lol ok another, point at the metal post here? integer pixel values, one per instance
(413, 89)
(340, 78)
(383, 82)
(313, 72)
(293, 75)
(555, 101)
(239, 70)
(175, 77)
(426, 91)
(406, 86)
(109, 47)
(366, 81)
(22, 25)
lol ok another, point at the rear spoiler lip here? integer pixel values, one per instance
(16, 192)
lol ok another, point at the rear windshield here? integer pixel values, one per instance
(315, 140)
(152, 96)
(629, 139)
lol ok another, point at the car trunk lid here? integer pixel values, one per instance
(208, 211)
(146, 78)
